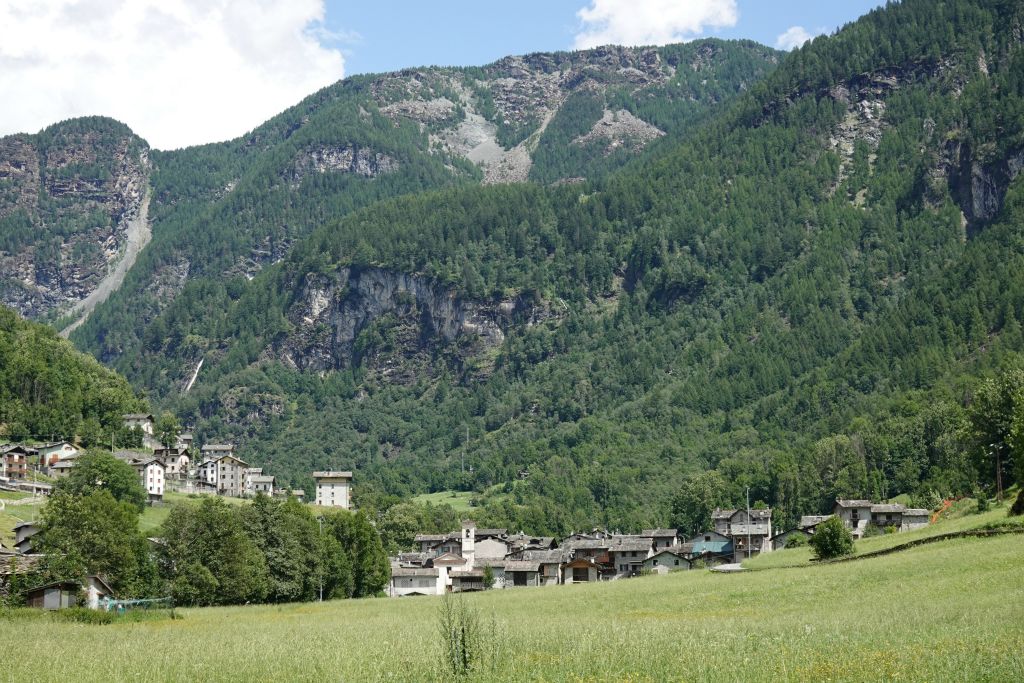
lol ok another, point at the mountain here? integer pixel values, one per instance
(794, 288)
(68, 196)
(796, 295)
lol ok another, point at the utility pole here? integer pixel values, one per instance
(321, 520)
(996, 447)
(748, 522)
(464, 445)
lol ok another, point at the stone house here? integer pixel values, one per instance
(226, 473)
(743, 527)
(662, 538)
(626, 554)
(23, 533)
(667, 560)
(858, 515)
(176, 461)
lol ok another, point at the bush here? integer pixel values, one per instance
(831, 539)
(796, 541)
(1018, 505)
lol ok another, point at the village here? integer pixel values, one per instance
(463, 560)
(472, 559)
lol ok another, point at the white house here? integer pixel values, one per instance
(333, 489)
(50, 453)
(152, 474)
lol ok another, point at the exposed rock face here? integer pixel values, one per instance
(979, 186)
(357, 160)
(467, 116)
(66, 203)
(370, 313)
(620, 129)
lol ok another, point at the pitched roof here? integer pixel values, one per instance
(544, 556)
(429, 538)
(521, 566)
(262, 479)
(480, 533)
(722, 514)
(916, 512)
(852, 503)
(449, 559)
(412, 571)
(137, 416)
(332, 474)
(888, 507)
(660, 533)
(630, 543)
(674, 552)
(811, 520)
(218, 447)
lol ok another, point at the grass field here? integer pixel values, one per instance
(956, 521)
(947, 611)
(459, 500)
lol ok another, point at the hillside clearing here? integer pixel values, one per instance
(947, 610)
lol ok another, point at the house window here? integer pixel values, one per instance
(677, 563)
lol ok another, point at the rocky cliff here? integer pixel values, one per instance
(391, 321)
(67, 196)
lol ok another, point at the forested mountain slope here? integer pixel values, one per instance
(794, 296)
(49, 390)
(222, 212)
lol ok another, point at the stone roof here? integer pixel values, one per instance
(811, 520)
(589, 544)
(449, 559)
(722, 514)
(490, 533)
(853, 503)
(675, 551)
(429, 538)
(544, 556)
(137, 416)
(218, 447)
(413, 571)
(916, 512)
(332, 474)
(630, 543)
(660, 533)
(888, 507)
(521, 566)
(262, 479)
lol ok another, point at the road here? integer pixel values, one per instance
(139, 235)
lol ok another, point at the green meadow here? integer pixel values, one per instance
(947, 611)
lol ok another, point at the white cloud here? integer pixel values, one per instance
(792, 38)
(651, 22)
(178, 72)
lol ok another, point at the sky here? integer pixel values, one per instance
(186, 72)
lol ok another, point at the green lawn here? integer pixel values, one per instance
(945, 611)
(959, 521)
(459, 500)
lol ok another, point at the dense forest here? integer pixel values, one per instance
(49, 390)
(806, 286)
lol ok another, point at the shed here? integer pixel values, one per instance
(69, 593)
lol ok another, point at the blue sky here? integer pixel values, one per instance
(185, 72)
(391, 35)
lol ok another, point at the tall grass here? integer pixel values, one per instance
(945, 611)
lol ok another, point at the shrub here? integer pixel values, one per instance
(831, 539)
(796, 541)
(1018, 505)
